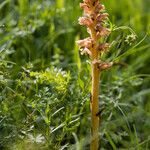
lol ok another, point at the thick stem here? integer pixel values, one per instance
(95, 107)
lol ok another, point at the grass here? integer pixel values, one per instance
(45, 87)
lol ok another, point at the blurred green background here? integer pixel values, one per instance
(45, 82)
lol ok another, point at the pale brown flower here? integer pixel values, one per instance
(102, 32)
(102, 17)
(85, 21)
(99, 7)
(85, 51)
(85, 7)
(103, 47)
(105, 65)
(88, 42)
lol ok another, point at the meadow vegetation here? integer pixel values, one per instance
(45, 83)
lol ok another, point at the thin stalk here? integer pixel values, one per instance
(94, 19)
(95, 107)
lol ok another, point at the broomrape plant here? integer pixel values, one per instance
(95, 19)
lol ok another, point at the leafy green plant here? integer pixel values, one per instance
(44, 85)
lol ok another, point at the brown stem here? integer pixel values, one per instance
(94, 21)
(95, 106)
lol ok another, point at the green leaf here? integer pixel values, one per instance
(133, 50)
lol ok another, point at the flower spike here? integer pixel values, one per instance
(95, 20)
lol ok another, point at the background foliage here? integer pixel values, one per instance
(45, 82)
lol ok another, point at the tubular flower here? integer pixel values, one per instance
(102, 32)
(102, 17)
(85, 21)
(85, 7)
(88, 42)
(103, 47)
(85, 45)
